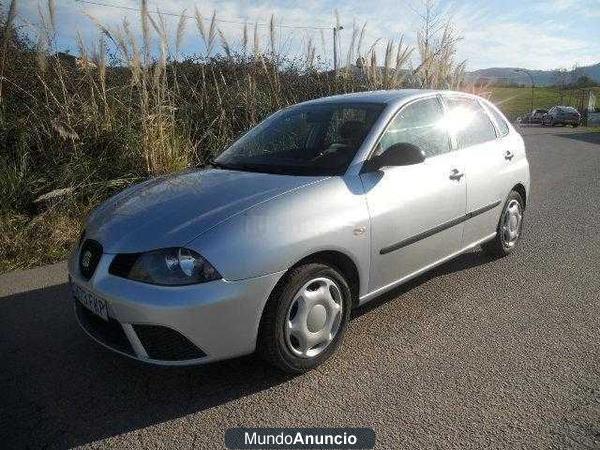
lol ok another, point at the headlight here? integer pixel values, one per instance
(169, 266)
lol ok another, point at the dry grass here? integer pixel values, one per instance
(95, 126)
(27, 243)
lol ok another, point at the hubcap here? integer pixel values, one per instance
(511, 223)
(314, 317)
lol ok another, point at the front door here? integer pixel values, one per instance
(415, 210)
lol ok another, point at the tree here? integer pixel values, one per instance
(561, 81)
(584, 82)
(437, 41)
(575, 74)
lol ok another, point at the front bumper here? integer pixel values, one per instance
(179, 325)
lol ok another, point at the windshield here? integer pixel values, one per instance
(318, 139)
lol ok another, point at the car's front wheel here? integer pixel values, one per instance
(510, 227)
(305, 318)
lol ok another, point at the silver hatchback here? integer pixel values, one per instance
(320, 208)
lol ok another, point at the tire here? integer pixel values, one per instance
(575, 125)
(291, 348)
(505, 241)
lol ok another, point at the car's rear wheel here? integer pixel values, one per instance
(510, 227)
(305, 318)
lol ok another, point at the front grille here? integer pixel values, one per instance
(166, 344)
(122, 263)
(89, 257)
(110, 333)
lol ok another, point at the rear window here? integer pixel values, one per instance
(469, 122)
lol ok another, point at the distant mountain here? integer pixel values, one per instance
(540, 77)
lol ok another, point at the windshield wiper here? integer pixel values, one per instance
(217, 165)
(298, 170)
(240, 167)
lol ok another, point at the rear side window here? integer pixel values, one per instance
(421, 124)
(501, 121)
(469, 122)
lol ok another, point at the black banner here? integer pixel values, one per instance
(299, 438)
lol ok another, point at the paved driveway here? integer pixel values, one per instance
(477, 353)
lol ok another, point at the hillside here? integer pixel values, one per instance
(540, 77)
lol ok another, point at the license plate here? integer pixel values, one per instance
(92, 302)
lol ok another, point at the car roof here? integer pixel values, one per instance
(386, 97)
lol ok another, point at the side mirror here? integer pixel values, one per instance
(402, 154)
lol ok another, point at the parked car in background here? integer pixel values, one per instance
(534, 116)
(322, 207)
(562, 115)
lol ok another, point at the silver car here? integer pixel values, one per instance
(562, 115)
(320, 208)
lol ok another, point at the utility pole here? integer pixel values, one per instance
(525, 71)
(335, 47)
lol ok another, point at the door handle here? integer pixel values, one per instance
(456, 175)
(508, 155)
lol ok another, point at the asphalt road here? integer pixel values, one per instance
(478, 353)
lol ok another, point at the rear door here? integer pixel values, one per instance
(414, 209)
(482, 154)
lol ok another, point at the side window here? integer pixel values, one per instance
(500, 121)
(420, 123)
(469, 122)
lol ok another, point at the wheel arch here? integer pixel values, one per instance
(340, 261)
(520, 189)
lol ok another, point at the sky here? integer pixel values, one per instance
(495, 33)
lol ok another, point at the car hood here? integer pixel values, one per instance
(172, 211)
